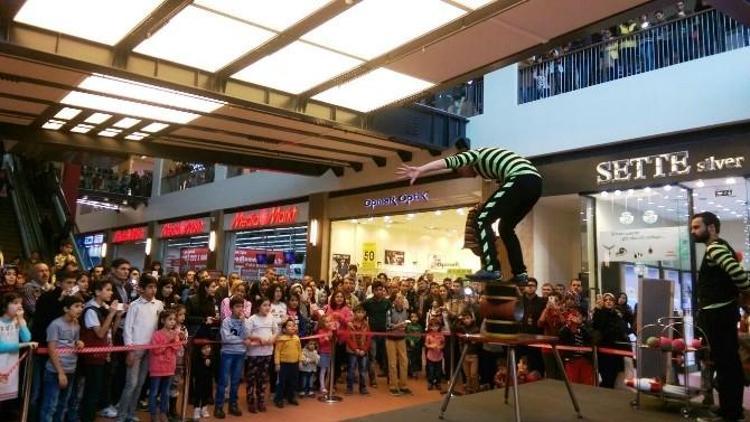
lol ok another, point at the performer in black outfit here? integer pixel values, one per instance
(720, 280)
(520, 188)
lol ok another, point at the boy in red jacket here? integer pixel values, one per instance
(357, 346)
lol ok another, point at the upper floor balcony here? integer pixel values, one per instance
(644, 46)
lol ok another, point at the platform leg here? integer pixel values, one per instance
(514, 375)
(567, 381)
(452, 385)
(507, 374)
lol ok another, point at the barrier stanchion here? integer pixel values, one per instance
(27, 379)
(330, 397)
(186, 380)
(596, 366)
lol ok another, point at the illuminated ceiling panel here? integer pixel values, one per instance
(374, 27)
(274, 14)
(373, 90)
(202, 39)
(103, 21)
(297, 67)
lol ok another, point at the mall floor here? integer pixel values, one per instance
(541, 401)
(351, 407)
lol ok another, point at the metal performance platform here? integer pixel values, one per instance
(542, 401)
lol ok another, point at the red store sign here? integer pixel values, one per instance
(134, 234)
(265, 217)
(183, 228)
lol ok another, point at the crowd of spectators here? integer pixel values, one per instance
(654, 40)
(185, 175)
(276, 334)
(108, 180)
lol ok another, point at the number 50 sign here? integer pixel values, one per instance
(368, 257)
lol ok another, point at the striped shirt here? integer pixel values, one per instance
(492, 163)
(719, 255)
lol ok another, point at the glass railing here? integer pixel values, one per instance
(650, 47)
(466, 99)
(106, 180)
(196, 176)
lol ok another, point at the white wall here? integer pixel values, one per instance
(557, 243)
(711, 91)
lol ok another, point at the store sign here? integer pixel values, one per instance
(183, 228)
(658, 166)
(134, 234)
(265, 217)
(192, 257)
(396, 200)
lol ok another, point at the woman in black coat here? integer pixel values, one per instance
(203, 311)
(610, 330)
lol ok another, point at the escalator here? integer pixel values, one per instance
(41, 216)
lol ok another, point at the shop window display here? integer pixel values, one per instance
(404, 245)
(251, 252)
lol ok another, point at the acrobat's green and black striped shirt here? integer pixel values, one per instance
(493, 163)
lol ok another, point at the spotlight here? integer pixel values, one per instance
(700, 184)
(668, 188)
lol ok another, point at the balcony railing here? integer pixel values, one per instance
(466, 99)
(653, 47)
(199, 175)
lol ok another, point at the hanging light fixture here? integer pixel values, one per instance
(212, 240)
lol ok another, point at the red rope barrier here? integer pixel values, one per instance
(14, 366)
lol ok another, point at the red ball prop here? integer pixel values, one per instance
(678, 345)
(665, 343)
(696, 343)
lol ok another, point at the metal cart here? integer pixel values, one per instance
(669, 392)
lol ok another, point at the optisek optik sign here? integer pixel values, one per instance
(396, 200)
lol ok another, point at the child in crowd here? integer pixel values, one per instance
(12, 329)
(201, 381)
(578, 366)
(141, 321)
(501, 376)
(286, 358)
(396, 320)
(471, 361)
(414, 344)
(98, 320)
(162, 364)
(233, 352)
(523, 373)
(434, 343)
(325, 345)
(294, 313)
(178, 380)
(357, 347)
(308, 365)
(261, 330)
(63, 332)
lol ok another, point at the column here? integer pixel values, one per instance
(317, 255)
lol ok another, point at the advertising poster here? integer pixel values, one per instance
(193, 258)
(341, 263)
(369, 265)
(394, 257)
(637, 245)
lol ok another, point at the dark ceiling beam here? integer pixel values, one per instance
(105, 145)
(8, 10)
(286, 37)
(405, 156)
(158, 18)
(391, 147)
(417, 44)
